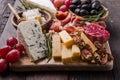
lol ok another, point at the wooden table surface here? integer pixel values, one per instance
(113, 25)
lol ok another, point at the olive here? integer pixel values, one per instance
(72, 7)
(85, 6)
(86, 2)
(79, 6)
(83, 12)
(76, 2)
(101, 8)
(93, 12)
(96, 5)
(95, 1)
(77, 11)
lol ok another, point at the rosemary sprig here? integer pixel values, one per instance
(94, 17)
(49, 45)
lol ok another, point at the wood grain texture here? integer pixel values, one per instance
(4, 13)
(25, 64)
(113, 25)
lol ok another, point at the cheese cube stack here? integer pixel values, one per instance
(66, 38)
(87, 41)
(75, 53)
(32, 14)
(56, 47)
(66, 54)
(31, 36)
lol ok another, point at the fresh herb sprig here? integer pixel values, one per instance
(95, 17)
(49, 45)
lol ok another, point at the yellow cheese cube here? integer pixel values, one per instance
(87, 41)
(66, 38)
(75, 53)
(56, 47)
(66, 54)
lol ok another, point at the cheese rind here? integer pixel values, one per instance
(66, 38)
(56, 47)
(31, 36)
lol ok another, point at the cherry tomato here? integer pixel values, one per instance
(13, 56)
(63, 8)
(20, 48)
(68, 3)
(3, 65)
(12, 41)
(61, 15)
(70, 29)
(4, 50)
(58, 3)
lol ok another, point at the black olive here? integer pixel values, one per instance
(85, 6)
(83, 12)
(101, 8)
(96, 5)
(76, 2)
(79, 6)
(77, 11)
(73, 7)
(86, 2)
(95, 1)
(93, 12)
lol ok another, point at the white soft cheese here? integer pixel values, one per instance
(43, 4)
(31, 36)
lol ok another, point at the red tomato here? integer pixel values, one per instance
(12, 41)
(58, 3)
(68, 3)
(61, 15)
(20, 48)
(4, 50)
(3, 65)
(13, 56)
(63, 8)
(70, 29)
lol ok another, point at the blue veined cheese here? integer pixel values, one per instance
(31, 36)
(43, 4)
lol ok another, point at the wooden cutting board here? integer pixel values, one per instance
(24, 64)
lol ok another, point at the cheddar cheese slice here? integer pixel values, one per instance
(66, 38)
(66, 54)
(75, 53)
(56, 47)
